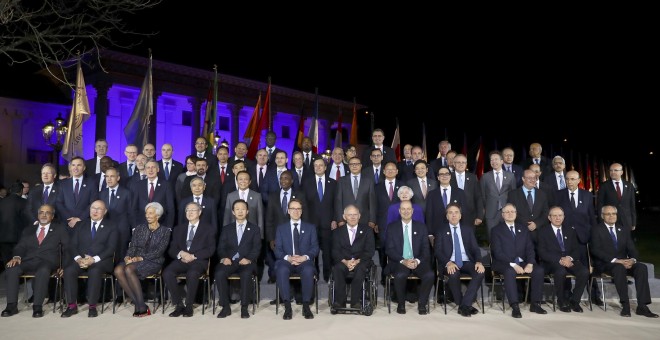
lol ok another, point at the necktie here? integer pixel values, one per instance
(560, 240)
(102, 184)
(562, 184)
(444, 161)
(200, 154)
(261, 175)
(130, 170)
(307, 159)
(144, 176)
(530, 200)
(461, 184)
(270, 152)
(319, 188)
(498, 181)
(151, 192)
(44, 199)
(299, 176)
(222, 174)
(444, 197)
(112, 197)
(42, 234)
(613, 236)
(93, 230)
(296, 240)
(458, 258)
(167, 170)
(242, 193)
(197, 199)
(536, 160)
(338, 174)
(355, 186)
(618, 190)
(352, 234)
(191, 235)
(407, 247)
(240, 233)
(76, 190)
(279, 173)
(376, 177)
(573, 201)
(423, 188)
(285, 203)
(391, 192)
(513, 232)
(408, 162)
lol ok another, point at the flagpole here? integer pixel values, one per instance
(270, 118)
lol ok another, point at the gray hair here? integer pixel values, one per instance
(405, 187)
(159, 208)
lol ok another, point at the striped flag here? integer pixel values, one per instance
(254, 122)
(211, 113)
(80, 112)
(264, 123)
(136, 130)
(339, 134)
(354, 127)
(313, 132)
(396, 142)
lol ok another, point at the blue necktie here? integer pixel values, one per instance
(167, 170)
(284, 203)
(444, 197)
(376, 177)
(513, 232)
(458, 259)
(130, 170)
(44, 199)
(93, 230)
(319, 187)
(296, 240)
(562, 184)
(560, 240)
(613, 238)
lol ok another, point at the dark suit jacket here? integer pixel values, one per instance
(103, 245)
(271, 159)
(309, 241)
(121, 211)
(163, 194)
(602, 247)
(444, 244)
(211, 161)
(418, 197)
(420, 242)
(365, 201)
(97, 180)
(28, 247)
(517, 172)
(203, 243)
(66, 204)
(254, 173)
(249, 248)
(370, 172)
(312, 158)
(123, 172)
(271, 184)
(388, 155)
(539, 214)
(12, 218)
(307, 178)
(209, 211)
(276, 216)
(505, 250)
(473, 206)
(249, 163)
(176, 168)
(549, 249)
(331, 169)
(546, 166)
(34, 201)
(626, 211)
(383, 203)
(436, 213)
(406, 171)
(90, 167)
(213, 187)
(581, 218)
(363, 247)
(321, 213)
(551, 180)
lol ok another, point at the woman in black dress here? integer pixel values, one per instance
(145, 256)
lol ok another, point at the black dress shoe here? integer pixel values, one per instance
(565, 308)
(575, 306)
(338, 305)
(463, 311)
(625, 311)
(225, 312)
(288, 313)
(273, 302)
(422, 311)
(474, 311)
(188, 312)
(306, 312)
(92, 313)
(536, 308)
(178, 311)
(69, 311)
(401, 309)
(597, 301)
(9, 312)
(645, 311)
(244, 312)
(515, 311)
(37, 313)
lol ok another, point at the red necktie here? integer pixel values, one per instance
(338, 175)
(618, 190)
(222, 175)
(391, 192)
(151, 192)
(42, 234)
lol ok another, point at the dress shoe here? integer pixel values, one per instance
(244, 312)
(474, 311)
(597, 301)
(625, 310)
(225, 312)
(536, 308)
(463, 311)
(142, 314)
(575, 306)
(422, 311)
(188, 311)
(9, 311)
(69, 311)
(234, 301)
(273, 302)
(37, 313)
(288, 313)
(515, 311)
(565, 308)
(119, 300)
(178, 311)
(401, 308)
(306, 312)
(92, 313)
(645, 311)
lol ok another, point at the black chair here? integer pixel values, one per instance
(445, 279)
(602, 277)
(499, 279)
(297, 277)
(158, 287)
(206, 285)
(256, 289)
(369, 293)
(387, 292)
(59, 289)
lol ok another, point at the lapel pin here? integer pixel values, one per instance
(619, 229)
(52, 191)
(447, 233)
(360, 231)
(303, 231)
(565, 237)
(101, 226)
(248, 228)
(580, 202)
(519, 230)
(84, 185)
(414, 233)
(50, 230)
(118, 197)
(158, 184)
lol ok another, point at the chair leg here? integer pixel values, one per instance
(444, 293)
(602, 291)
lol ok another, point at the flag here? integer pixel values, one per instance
(338, 134)
(137, 128)
(580, 170)
(631, 177)
(73, 141)
(396, 142)
(354, 127)
(211, 113)
(313, 132)
(424, 141)
(254, 121)
(264, 122)
(587, 182)
(297, 146)
(480, 159)
(465, 145)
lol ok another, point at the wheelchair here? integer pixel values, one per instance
(369, 293)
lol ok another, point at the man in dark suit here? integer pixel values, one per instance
(308, 153)
(119, 201)
(75, 195)
(406, 166)
(422, 184)
(614, 253)
(42, 193)
(224, 173)
(457, 251)
(513, 254)
(258, 172)
(152, 189)
(378, 137)
(93, 165)
(359, 190)
(556, 179)
(169, 168)
(201, 151)
(438, 200)
(12, 221)
(337, 168)
(472, 208)
(409, 254)
(508, 165)
(531, 205)
(240, 153)
(621, 194)
(272, 150)
(535, 157)
(441, 160)
(91, 251)
(296, 247)
(560, 254)
(208, 204)
(39, 255)
(99, 179)
(302, 175)
(213, 187)
(386, 194)
(238, 250)
(353, 246)
(272, 176)
(496, 186)
(129, 169)
(375, 170)
(191, 247)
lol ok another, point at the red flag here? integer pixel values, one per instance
(254, 122)
(264, 122)
(480, 159)
(396, 142)
(354, 127)
(579, 170)
(587, 181)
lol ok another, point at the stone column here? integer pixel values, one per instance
(101, 107)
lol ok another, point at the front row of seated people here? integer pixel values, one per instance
(89, 252)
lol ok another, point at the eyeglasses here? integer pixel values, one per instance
(509, 211)
(296, 209)
(616, 169)
(444, 174)
(609, 214)
(192, 210)
(354, 164)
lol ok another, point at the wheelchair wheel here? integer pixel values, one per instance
(368, 309)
